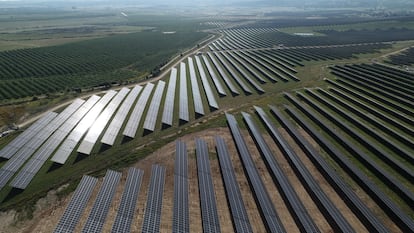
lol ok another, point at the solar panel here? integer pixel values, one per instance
(98, 126)
(136, 115)
(209, 215)
(167, 115)
(100, 209)
(14, 164)
(226, 79)
(286, 189)
(10, 149)
(207, 89)
(183, 107)
(181, 211)
(150, 120)
(198, 102)
(76, 206)
(113, 129)
(128, 203)
(233, 74)
(234, 196)
(214, 77)
(152, 217)
(28, 172)
(64, 151)
(265, 205)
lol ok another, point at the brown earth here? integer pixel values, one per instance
(51, 208)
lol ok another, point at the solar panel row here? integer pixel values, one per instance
(76, 206)
(151, 118)
(207, 89)
(100, 123)
(198, 102)
(209, 215)
(152, 217)
(214, 77)
(22, 155)
(243, 73)
(233, 73)
(181, 212)
(126, 209)
(305, 222)
(28, 172)
(64, 151)
(113, 129)
(168, 113)
(223, 74)
(256, 66)
(10, 149)
(247, 67)
(183, 107)
(265, 205)
(238, 212)
(136, 115)
(100, 209)
(362, 211)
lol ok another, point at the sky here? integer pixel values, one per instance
(297, 3)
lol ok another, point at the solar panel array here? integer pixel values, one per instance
(198, 102)
(113, 129)
(76, 206)
(126, 209)
(168, 113)
(209, 93)
(304, 221)
(64, 151)
(214, 77)
(152, 217)
(226, 78)
(271, 219)
(10, 149)
(183, 107)
(22, 155)
(181, 222)
(136, 115)
(209, 215)
(31, 168)
(238, 211)
(100, 209)
(233, 73)
(243, 73)
(151, 118)
(98, 126)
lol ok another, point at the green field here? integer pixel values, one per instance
(87, 50)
